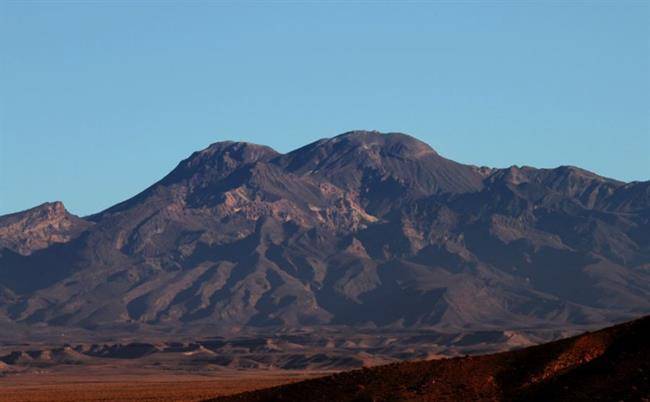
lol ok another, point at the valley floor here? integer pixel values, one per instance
(111, 384)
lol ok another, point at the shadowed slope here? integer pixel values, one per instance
(364, 230)
(610, 364)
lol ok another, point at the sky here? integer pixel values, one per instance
(100, 99)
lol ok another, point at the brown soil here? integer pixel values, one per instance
(609, 365)
(77, 387)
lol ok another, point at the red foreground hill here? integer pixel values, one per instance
(612, 364)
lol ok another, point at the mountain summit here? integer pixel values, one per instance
(363, 230)
(39, 227)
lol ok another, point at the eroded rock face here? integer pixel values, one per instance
(39, 227)
(363, 229)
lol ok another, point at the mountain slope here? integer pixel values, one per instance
(364, 229)
(39, 227)
(611, 364)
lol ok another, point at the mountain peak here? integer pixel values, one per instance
(39, 227)
(382, 165)
(55, 207)
(46, 209)
(392, 142)
(241, 235)
(237, 150)
(219, 159)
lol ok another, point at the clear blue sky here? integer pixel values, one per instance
(100, 99)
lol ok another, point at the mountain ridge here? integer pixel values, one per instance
(39, 227)
(360, 229)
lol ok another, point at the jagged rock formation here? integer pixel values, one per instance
(363, 229)
(39, 227)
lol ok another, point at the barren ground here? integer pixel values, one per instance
(75, 384)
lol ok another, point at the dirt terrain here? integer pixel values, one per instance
(111, 384)
(609, 365)
(103, 368)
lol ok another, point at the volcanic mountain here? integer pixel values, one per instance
(363, 230)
